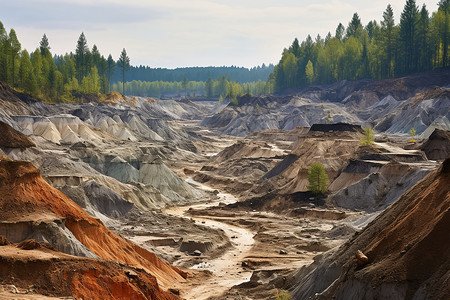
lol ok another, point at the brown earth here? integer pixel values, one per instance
(34, 270)
(26, 194)
(11, 138)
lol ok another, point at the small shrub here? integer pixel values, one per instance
(317, 178)
(368, 138)
(412, 133)
(282, 295)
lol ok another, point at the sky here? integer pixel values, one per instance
(183, 33)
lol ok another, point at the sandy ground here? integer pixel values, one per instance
(226, 270)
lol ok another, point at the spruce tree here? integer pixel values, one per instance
(110, 69)
(354, 27)
(81, 53)
(317, 178)
(44, 44)
(408, 31)
(340, 30)
(388, 41)
(124, 64)
(14, 48)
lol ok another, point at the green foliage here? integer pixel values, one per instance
(282, 295)
(418, 43)
(124, 64)
(317, 178)
(329, 118)
(368, 138)
(412, 133)
(309, 71)
(54, 78)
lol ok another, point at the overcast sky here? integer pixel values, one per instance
(180, 33)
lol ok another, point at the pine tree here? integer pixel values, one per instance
(124, 64)
(81, 53)
(408, 31)
(388, 41)
(27, 80)
(422, 40)
(317, 178)
(3, 53)
(44, 44)
(340, 30)
(36, 61)
(110, 69)
(14, 48)
(354, 27)
(444, 26)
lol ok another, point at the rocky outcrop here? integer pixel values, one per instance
(380, 188)
(437, 147)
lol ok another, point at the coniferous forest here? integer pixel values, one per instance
(420, 42)
(378, 50)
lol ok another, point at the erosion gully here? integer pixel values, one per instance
(226, 270)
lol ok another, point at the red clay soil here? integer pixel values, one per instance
(25, 192)
(32, 266)
(11, 138)
(408, 245)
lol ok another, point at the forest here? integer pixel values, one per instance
(59, 78)
(237, 74)
(223, 87)
(420, 42)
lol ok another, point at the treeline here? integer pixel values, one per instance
(68, 77)
(223, 87)
(237, 74)
(420, 42)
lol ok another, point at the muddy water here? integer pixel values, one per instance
(226, 269)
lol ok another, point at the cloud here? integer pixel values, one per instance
(75, 15)
(171, 33)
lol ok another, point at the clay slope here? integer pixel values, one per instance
(32, 264)
(11, 138)
(24, 193)
(275, 112)
(407, 246)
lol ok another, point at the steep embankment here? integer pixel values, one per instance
(47, 272)
(407, 247)
(25, 194)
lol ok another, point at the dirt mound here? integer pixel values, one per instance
(336, 127)
(4, 241)
(25, 192)
(55, 274)
(407, 247)
(11, 138)
(437, 147)
(31, 244)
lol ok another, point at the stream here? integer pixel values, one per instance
(226, 269)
